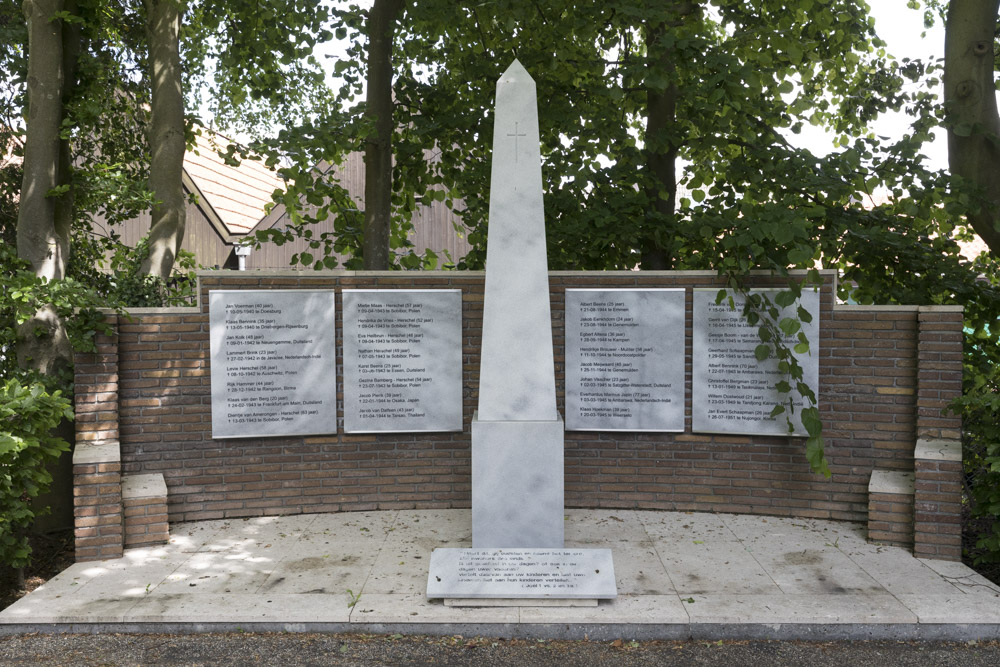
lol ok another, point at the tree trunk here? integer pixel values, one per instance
(44, 221)
(166, 136)
(65, 204)
(970, 102)
(40, 240)
(378, 146)
(661, 154)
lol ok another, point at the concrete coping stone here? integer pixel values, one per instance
(865, 308)
(942, 309)
(164, 310)
(346, 273)
(891, 481)
(144, 486)
(938, 450)
(107, 451)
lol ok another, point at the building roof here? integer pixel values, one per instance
(238, 194)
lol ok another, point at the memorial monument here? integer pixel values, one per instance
(517, 432)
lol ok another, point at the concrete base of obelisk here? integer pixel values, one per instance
(517, 484)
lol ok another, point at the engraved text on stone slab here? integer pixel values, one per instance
(625, 359)
(273, 362)
(731, 392)
(402, 360)
(522, 573)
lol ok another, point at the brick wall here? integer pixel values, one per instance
(868, 394)
(97, 487)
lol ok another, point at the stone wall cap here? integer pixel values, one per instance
(890, 308)
(144, 486)
(340, 273)
(106, 451)
(163, 310)
(938, 450)
(891, 481)
(941, 309)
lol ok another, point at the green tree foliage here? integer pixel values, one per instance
(28, 414)
(741, 73)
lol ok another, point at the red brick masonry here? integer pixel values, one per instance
(886, 374)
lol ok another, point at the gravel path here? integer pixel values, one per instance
(314, 649)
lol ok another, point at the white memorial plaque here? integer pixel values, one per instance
(731, 391)
(625, 359)
(273, 362)
(522, 573)
(402, 360)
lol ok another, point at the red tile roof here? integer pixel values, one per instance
(238, 194)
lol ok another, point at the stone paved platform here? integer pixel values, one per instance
(679, 575)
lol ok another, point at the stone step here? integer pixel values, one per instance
(144, 498)
(890, 508)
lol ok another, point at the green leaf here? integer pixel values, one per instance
(762, 351)
(784, 298)
(789, 326)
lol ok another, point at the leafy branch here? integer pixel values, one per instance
(782, 339)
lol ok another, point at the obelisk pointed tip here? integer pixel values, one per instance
(516, 72)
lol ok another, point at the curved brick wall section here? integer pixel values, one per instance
(868, 388)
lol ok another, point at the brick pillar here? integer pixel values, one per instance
(97, 501)
(97, 488)
(937, 531)
(938, 454)
(95, 395)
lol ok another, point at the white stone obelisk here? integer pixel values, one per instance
(517, 433)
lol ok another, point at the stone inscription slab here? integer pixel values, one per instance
(273, 362)
(731, 391)
(522, 573)
(625, 360)
(402, 360)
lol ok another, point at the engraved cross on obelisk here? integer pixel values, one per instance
(517, 433)
(516, 135)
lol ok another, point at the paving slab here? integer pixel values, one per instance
(72, 609)
(402, 564)
(604, 528)
(219, 572)
(630, 609)
(686, 528)
(798, 609)
(815, 571)
(958, 608)
(897, 571)
(404, 608)
(639, 569)
(679, 574)
(195, 535)
(725, 567)
(240, 608)
(961, 576)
